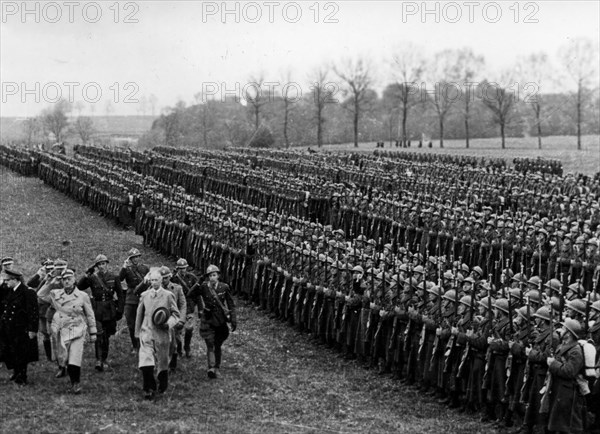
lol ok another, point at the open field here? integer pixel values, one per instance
(563, 148)
(273, 380)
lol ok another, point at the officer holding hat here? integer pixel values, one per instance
(157, 314)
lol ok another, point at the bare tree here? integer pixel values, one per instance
(79, 106)
(84, 127)
(535, 71)
(153, 100)
(501, 102)
(108, 107)
(356, 77)
(408, 65)
(580, 59)
(143, 105)
(322, 94)
(288, 96)
(444, 75)
(468, 66)
(33, 128)
(207, 120)
(55, 119)
(255, 98)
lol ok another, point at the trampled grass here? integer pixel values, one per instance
(273, 380)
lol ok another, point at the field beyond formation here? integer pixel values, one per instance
(273, 380)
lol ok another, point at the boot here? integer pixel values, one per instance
(149, 382)
(173, 363)
(163, 381)
(187, 340)
(48, 350)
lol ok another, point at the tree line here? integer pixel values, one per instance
(448, 96)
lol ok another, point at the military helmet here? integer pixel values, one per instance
(522, 312)
(485, 302)
(435, 290)
(182, 263)
(554, 285)
(596, 306)
(100, 259)
(519, 278)
(212, 269)
(577, 305)
(534, 281)
(466, 300)
(573, 326)
(133, 253)
(542, 313)
(478, 270)
(358, 269)
(450, 295)
(502, 304)
(418, 269)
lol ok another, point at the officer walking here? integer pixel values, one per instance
(108, 303)
(215, 309)
(18, 325)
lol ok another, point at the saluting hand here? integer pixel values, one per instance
(92, 338)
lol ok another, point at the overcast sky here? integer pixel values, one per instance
(172, 49)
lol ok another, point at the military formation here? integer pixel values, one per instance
(470, 280)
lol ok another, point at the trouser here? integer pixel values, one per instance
(102, 345)
(213, 345)
(105, 330)
(187, 340)
(130, 313)
(74, 373)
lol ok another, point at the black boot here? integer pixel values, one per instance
(149, 382)
(173, 363)
(163, 381)
(187, 340)
(48, 350)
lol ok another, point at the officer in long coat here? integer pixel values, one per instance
(18, 325)
(156, 316)
(74, 317)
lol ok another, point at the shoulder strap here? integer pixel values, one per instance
(101, 281)
(217, 299)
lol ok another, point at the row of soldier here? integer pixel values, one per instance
(270, 298)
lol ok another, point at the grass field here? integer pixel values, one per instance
(564, 148)
(273, 380)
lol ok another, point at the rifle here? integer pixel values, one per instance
(545, 390)
(488, 353)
